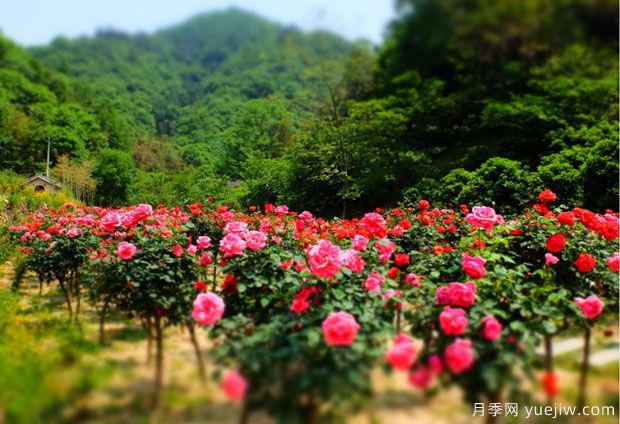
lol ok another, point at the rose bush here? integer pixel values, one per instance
(302, 309)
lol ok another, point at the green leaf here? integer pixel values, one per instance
(549, 326)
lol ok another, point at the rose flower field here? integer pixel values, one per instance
(292, 316)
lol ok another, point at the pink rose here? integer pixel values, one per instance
(392, 293)
(591, 306)
(453, 321)
(462, 294)
(374, 281)
(374, 225)
(110, 221)
(282, 210)
(177, 250)
(340, 329)
(352, 260)
(385, 248)
(236, 227)
(192, 249)
(459, 356)
(456, 294)
(129, 219)
(414, 280)
(255, 240)
(234, 385)
(324, 259)
(483, 216)
(551, 259)
(359, 243)
(442, 295)
(474, 266)
(421, 377)
(614, 262)
(435, 364)
(143, 211)
(306, 216)
(397, 231)
(203, 243)
(491, 328)
(403, 353)
(205, 259)
(232, 244)
(208, 308)
(73, 232)
(227, 216)
(126, 250)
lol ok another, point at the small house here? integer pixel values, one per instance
(41, 183)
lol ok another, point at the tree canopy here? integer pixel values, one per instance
(477, 101)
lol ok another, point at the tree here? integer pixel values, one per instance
(75, 177)
(113, 173)
(600, 169)
(502, 183)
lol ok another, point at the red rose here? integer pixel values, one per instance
(405, 224)
(423, 205)
(550, 383)
(547, 196)
(566, 218)
(585, 262)
(541, 208)
(556, 242)
(393, 273)
(200, 286)
(609, 230)
(614, 262)
(401, 259)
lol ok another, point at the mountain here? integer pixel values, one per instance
(478, 102)
(178, 113)
(188, 82)
(38, 104)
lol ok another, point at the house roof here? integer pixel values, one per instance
(43, 178)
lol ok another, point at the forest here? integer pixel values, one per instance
(476, 102)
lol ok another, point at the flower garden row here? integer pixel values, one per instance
(301, 309)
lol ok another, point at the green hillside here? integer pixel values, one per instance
(475, 102)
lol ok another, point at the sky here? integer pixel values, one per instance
(34, 22)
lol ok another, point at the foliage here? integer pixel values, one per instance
(35, 387)
(113, 174)
(75, 177)
(255, 110)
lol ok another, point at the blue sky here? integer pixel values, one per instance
(33, 22)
